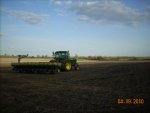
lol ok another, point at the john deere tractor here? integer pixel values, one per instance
(67, 63)
(61, 62)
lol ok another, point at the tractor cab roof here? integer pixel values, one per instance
(61, 51)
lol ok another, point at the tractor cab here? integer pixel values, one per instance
(61, 56)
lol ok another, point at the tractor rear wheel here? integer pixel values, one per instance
(68, 66)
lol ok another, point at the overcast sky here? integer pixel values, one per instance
(84, 27)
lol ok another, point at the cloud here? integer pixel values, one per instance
(60, 12)
(28, 17)
(25, 1)
(107, 12)
(3, 35)
(60, 2)
(57, 2)
(68, 2)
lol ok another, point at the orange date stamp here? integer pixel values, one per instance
(131, 101)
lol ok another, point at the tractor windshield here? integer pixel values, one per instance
(61, 54)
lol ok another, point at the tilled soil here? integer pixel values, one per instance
(95, 88)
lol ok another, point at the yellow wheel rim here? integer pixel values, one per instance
(68, 66)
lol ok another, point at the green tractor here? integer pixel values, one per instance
(67, 63)
(61, 62)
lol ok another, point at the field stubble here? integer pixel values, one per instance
(95, 88)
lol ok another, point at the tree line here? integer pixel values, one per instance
(100, 58)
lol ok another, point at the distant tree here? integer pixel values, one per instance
(5, 55)
(38, 56)
(100, 58)
(12, 55)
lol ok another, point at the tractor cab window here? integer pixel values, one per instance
(64, 54)
(57, 55)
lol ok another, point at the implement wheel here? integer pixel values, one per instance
(68, 66)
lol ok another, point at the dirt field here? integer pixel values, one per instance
(95, 88)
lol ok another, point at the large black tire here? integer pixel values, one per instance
(68, 66)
